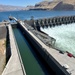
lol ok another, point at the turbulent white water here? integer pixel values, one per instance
(64, 35)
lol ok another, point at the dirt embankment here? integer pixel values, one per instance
(2, 54)
(2, 48)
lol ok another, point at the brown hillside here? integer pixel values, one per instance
(65, 5)
(56, 5)
(46, 5)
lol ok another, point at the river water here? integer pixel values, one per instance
(64, 34)
(35, 13)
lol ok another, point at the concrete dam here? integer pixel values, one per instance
(34, 48)
(52, 22)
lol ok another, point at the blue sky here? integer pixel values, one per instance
(19, 2)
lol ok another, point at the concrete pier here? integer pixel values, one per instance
(14, 65)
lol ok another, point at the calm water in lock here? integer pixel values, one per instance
(31, 60)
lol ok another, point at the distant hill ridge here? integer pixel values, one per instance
(55, 5)
(44, 5)
(10, 8)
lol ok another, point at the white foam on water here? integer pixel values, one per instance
(64, 35)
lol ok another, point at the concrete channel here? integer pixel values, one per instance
(14, 65)
(31, 61)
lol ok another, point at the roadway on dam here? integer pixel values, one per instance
(33, 63)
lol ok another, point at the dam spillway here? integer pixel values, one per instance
(30, 60)
(52, 22)
(61, 25)
(64, 35)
